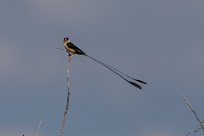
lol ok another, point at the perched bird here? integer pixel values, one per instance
(72, 50)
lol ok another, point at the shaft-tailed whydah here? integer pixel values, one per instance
(72, 50)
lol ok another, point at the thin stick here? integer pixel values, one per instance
(193, 111)
(39, 126)
(68, 96)
(61, 49)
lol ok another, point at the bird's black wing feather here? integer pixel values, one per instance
(78, 51)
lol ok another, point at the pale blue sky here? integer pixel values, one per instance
(158, 41)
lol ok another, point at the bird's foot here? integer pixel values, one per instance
(69, 57)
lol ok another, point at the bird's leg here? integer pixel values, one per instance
(69, 57)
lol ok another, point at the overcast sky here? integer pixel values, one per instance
(158, 41)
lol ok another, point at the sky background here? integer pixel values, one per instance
(158, 41)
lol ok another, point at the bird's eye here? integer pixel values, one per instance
(66, 39)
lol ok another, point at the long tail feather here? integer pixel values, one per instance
(135, 84)
(117, 72)
(140, 81)
(106, 67)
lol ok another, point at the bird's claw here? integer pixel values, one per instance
(69, 57)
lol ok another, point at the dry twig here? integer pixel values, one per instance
(68, 97)
(200, 127)
(39, 126)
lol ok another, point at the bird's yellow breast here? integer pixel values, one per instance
(71, 51)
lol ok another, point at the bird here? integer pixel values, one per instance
(71, 48)
(74, 50)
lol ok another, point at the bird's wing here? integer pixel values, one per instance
(72, 46)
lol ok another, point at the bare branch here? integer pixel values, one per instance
(196, 116)
(39, 126)
(68, 97)
(193, 132)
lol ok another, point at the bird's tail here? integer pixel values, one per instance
(119, 73)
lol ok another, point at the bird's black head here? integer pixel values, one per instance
(66, 39)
